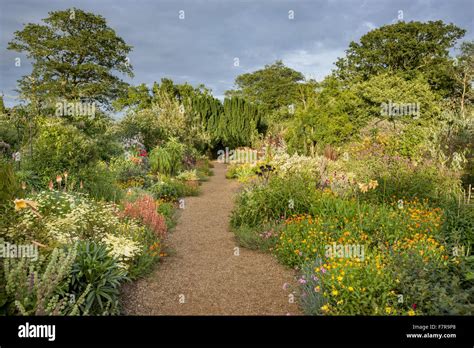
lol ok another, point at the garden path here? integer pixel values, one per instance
(204, 272)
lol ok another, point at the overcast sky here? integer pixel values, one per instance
(202, 47)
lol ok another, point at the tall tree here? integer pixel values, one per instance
(274, 86)
(75, 55)
(465, 73)
(408, 48)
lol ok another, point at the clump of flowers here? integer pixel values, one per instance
(188, 175)
(122, 248)
(287, 165)
(371, 185)
(144, 209)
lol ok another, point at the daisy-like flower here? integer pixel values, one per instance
(363, 187)
(400, 204)
(373, 184)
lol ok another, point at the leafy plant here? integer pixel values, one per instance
(94, 266)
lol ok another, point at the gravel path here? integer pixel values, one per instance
(204, 276)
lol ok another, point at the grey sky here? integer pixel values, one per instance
(201, 47)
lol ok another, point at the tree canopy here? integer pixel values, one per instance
(274, 86)
(75, 56)
(410, 48)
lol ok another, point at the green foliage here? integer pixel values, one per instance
(267, 202)
(125, 169)
(168, 211)
(58, 148)
(167, 159)
(238, 124)
(9, 186)
(99, 182)
(274, 86)
(171, 189)
(144, 123)
(73, 45)
(94, 266)
(407, 48)
(431, 287)
(390, 87)
(37, 288)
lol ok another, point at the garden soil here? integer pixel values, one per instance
(206, 274)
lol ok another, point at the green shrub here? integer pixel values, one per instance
(280, 197)
(60, 147)
(9, 186)
(99, 182)
(168, 211)
(428, 285)
(167, 159)
(41, 287)
(125, 169)
(94, 266)
(170, 189)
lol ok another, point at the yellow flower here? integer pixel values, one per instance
(388, 310)
(20, 204)
(411, 312)
(24, 203)
(334, 292)
(325, 308)
(340, 302)
(317, 289)
(350, 288)
(340, 278)
(363, 187)
(373, 184)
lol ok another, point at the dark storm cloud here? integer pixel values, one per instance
(201, 48)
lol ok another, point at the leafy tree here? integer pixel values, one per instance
(2, 106)
(238, 123)
(386, 88)
(408, 48)
(75, 55)
(274, 86)
(465, 74)
(136, 98)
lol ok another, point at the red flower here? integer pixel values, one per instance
(413, 306)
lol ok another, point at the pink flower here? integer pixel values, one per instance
(302, 281)
(323, 270)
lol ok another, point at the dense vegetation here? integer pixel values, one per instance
(97, 196)
(366, 182)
